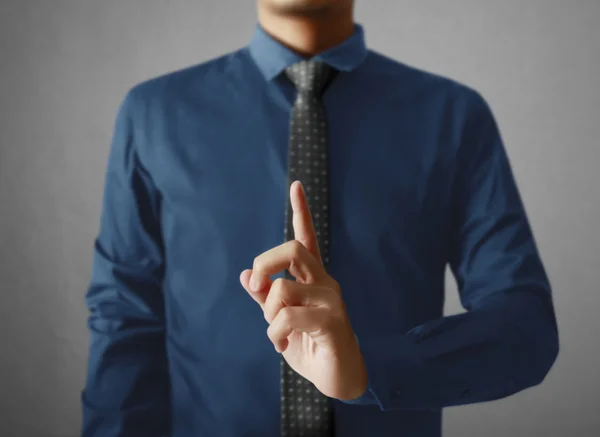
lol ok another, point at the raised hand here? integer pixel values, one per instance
(308, 322)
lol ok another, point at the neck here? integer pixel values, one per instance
(310, 32)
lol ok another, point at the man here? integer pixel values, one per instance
(275, 229)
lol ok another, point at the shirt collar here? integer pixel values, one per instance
(272, 57)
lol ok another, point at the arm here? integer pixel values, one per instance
(126, 392)
(507, 340)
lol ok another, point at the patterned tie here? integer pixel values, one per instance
(305, 411)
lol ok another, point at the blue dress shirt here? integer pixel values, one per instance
(195, 188)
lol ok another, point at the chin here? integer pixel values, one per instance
(304, 6)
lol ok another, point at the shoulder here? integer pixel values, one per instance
(159, 90)
(415, 80)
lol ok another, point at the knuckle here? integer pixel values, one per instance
(331, 319)
(257, 263)
(277, 284)
(279, 288)
(335, 285)
(338, 300)
(286, 315)
(333, 296)
(296, 248)
(268, 311)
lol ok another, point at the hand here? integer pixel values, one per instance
(308, 322)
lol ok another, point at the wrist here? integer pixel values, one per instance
(356, 372)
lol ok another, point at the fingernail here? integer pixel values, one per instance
(253, 283)
(302, 188)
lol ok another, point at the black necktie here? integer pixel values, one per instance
(305, 411)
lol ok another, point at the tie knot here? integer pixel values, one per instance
(309, 75)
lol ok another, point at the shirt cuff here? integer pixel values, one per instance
(367, 398)
(391, 362)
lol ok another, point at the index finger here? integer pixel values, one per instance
(304, 228)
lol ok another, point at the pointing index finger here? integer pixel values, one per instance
(304, 229)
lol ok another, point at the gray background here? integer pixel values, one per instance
(65, 65)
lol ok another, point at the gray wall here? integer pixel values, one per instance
(64, 66)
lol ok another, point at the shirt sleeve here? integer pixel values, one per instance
(507, 340)
(126, 390)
